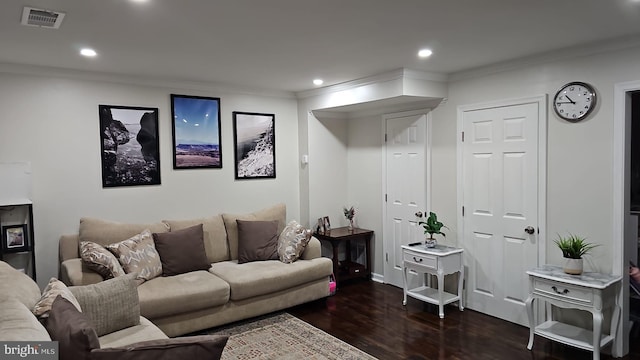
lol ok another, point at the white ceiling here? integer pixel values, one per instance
(284, 44)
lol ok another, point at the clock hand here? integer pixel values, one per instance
(565, 102)
(573, 102)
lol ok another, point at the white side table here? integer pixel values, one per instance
(439, 261)
(593, 292)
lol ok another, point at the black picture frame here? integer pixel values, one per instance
(130, 145)
(196, 132)
(254, 142)
(15, 238)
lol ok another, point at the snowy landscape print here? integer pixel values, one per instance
(196, 132)
(254, 145)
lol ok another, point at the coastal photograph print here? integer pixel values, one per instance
(14, 238)
(255, 145)
(196, 132)
(130, 148)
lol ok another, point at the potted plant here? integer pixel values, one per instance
(432, 226)
(573, 248)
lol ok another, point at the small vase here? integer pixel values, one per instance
(573, 266)
(430, 242)
(350, 226)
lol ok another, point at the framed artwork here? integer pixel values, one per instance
(255, 145)
(130, 149)
(196, 132)
(14, 238)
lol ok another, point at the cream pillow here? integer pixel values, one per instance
(138, 254)
(54, 288)
(292, 241)
(100, 260)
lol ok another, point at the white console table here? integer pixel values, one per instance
(439, 261)
(592, 292)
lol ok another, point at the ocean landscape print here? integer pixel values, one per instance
(196, 132)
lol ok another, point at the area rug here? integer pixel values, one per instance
(283, 336)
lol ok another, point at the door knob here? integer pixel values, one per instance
(529, 230)
(419, 214)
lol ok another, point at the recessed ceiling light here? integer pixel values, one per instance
(318, 82)
(88, 52)
(425, 53)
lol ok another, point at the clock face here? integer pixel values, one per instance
(574, 101)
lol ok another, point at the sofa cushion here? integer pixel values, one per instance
(110, 305)
(72, 330)
(54, 288)
(264, 277)
(182, 293)
(75, 272)
(144, 331)
(100, 260)
(276, 212)
(190, 347)
(292, 242)
(19, 324)
(109, 232)
(215, 235)
(138, 255)
(257, 240)
(181, 251)
(18, 285)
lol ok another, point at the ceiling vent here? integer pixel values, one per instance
(41, 18)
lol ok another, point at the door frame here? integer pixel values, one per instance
(383, 202)
(541, 101)
(621, 150)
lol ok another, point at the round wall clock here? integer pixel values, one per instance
(574, 101)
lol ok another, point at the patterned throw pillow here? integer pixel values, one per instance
(54, 288)
(138, 255)
(292, 241)
(100, 260)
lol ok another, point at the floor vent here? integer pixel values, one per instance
(41, 18)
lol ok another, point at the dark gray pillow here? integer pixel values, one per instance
(257, 240)
(110, 305)
(71, 329)
(191, 347)
(182, 251)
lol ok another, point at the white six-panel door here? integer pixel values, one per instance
(406, 188)
(500, 199)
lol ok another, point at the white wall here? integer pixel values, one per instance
(53, 124)
(579, 173)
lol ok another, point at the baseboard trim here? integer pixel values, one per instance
(377, 278)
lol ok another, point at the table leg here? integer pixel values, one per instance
(440, 293)
(404, 285)
(460, 288)
(367, 251)
(335, 260)
(597, 331)
(532, 324)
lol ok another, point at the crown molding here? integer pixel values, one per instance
(173, 84)
(590, 49)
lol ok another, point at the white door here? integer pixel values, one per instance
(406, 188)
(500, 202)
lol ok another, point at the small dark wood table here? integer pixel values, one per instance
(348, 269)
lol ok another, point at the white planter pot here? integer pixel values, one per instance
(573, 266)
(430, 242)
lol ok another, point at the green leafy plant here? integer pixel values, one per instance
(432, 225)
(573, 246)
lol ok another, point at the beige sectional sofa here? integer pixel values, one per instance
(227, 292)
(77, 338)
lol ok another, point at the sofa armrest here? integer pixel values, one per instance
(313, 250)
(74, 273)
(68, 247)
(190, 347)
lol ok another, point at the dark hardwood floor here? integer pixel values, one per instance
(370, 316)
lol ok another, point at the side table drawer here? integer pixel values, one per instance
(564, 291)
(423, 260)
